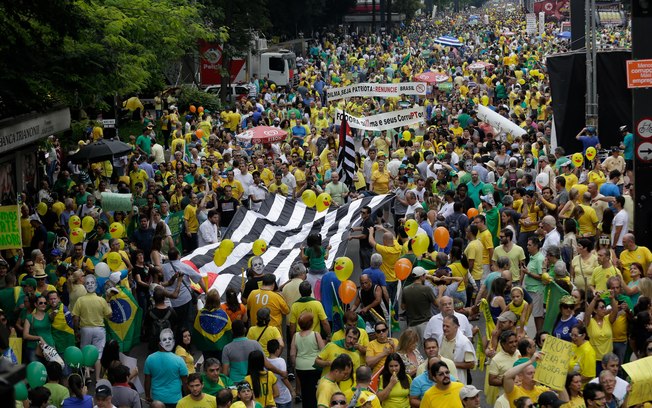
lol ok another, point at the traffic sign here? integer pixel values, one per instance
(644, 151)
(644, 128)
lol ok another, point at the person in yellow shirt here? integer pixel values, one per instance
(262, 382)
(390, 250)
(381, 347)
(485, 237)
(306, 303)
(236, 187)
(603, 272)
(571, 178)
(444, 393)
(348, 346)
(633, 253)
(474, 252)
(266, 297)
(351, 320)
(527, 387)
(191, 223)
(340, 368)
(262, 332)
(197, 398)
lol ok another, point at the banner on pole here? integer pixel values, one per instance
(369, 90)
(384, 121)
(175, 222)
(10, 236)
(531, 23)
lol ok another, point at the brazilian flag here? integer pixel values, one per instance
(553, 294)
(212, 329)
(62, 329)
(126, 319)
(10, 300)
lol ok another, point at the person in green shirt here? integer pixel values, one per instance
(213, 380)
(144, 141)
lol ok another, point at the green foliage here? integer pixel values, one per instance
(79, 51)
(407, 7)
(192, 96)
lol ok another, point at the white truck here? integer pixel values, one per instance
(279, 65)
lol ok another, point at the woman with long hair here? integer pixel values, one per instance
(459, 267)
(37, 329)
(184, 348)
(574, 387)
(304, 348)
(409, 352)
(598, 320)
(394, 384)
(315, 255)
(212, 311)
(79, 397)
(496, 299)
(262, 382)
(233, 307)
(632, 289)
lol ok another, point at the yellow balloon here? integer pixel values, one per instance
(323, 201)
(420, 244)
(309, 198)
(88, 223)
(407, 136)
(219, 258)
(77, 235)
(578, 159)
(343, 268)
(411, 227)
(74, 222)
(116, 230)
(114, 260)
(226, 247)
(260, 246)
(41, 208)
(545, 278)
(590, 153)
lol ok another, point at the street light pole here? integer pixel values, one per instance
(591, 115)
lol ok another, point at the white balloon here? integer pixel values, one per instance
(115, 277)
(102, 270)
(542, 180)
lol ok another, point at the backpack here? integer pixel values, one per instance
(454, 228)
(159, 324)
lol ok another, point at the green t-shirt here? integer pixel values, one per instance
(58, 393)
(212, 388)
(317, 262)
(145, 143)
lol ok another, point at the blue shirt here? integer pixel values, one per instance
(563, 329)
(166, 370)
(74, 402)
(299, 131)
(609, 189)
(629, 146)
(376, 275)
(588, 141)
(422, 383)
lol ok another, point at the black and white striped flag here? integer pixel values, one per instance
(346, 155)
(284, 224)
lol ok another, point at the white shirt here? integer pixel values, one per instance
(462, 346)
(259, 192)
(419, 194)
(207, 233)
(552, 238)
(158, 153)
(247, 180)
(434, 327)
(291, 182)
(621, 219)
(447, 209)
(620, 390)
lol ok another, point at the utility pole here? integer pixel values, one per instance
(591, 74)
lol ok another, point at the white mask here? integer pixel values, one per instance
(257, 265)
(528, 161)
(166, 339)
(90, 283)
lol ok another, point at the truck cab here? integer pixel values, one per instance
(279, 66)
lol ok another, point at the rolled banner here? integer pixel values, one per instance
(498, 122)
(117, 202)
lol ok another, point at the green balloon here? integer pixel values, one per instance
(37, 375)
(73, 356)
(20, 391)
(91, 354)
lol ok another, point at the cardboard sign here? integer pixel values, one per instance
(640, 373)
(10, 235)
(552, 370)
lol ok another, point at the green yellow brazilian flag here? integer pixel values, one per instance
(126, 319)
(212, 329)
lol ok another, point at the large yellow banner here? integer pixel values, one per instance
(10, 236)
(640, 373)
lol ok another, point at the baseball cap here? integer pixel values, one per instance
(103, 391)
(488, 199)
(551, 399)
(468, 391)
(56, 252)
(418, 271)
(507, 316)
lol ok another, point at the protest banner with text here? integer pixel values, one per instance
(640, 374)
(383, 90)
(384, 121)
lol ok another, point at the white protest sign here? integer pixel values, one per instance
(384, 121)
(531, 23)
(384, 90)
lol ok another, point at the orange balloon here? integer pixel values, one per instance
(442, 236)
(472, 212)
(200, 109)
(199, 133)
(403, 268)
(193, 109)
(347, 291)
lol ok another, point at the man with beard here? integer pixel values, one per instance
(445, 394)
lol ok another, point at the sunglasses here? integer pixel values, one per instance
(381, 330)
(42, 303)
(566, 306)
(338, 402)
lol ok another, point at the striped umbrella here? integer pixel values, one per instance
(431, 77)
(449, 41)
